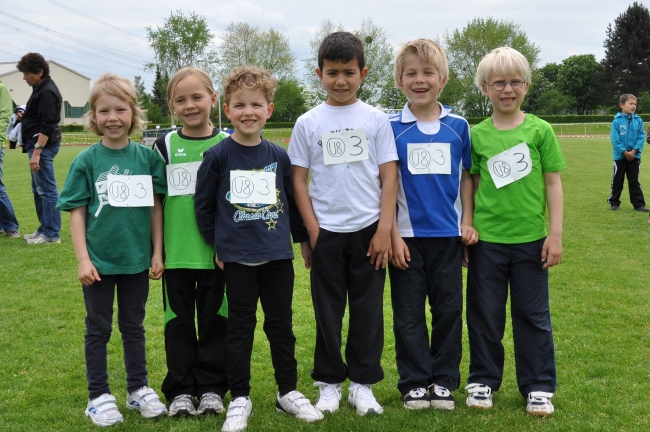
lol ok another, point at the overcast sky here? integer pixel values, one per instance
(63, 30)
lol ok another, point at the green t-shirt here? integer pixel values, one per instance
(513, 213)
(118, 238)
(185, 247)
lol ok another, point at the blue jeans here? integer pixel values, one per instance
(8, 220)
(46, 194)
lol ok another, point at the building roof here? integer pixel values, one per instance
(9, 67)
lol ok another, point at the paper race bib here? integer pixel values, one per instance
(346, 146)
(130, 190)
(252, 187)
(510, 165)
(429, 158)
(181, 178)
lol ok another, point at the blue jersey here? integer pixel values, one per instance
(428, 205)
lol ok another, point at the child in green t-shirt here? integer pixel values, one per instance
(111, 192)
(515, 162)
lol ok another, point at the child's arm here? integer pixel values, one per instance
(380, 249)
(157, 265)
(469, 235)
(552, 250)
(88, 274)
(303, 202)
(617, 143)
(401, 254)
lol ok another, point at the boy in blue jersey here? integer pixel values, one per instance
(434, 220)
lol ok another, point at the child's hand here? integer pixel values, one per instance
(305, 251)
(469, 235)
(219, 263)
(552, 251)
(88, 274)
(157, 267)
(401, 253)
(380, 251)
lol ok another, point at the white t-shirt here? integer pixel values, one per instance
(346, 197)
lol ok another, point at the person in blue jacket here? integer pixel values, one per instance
(628, 139)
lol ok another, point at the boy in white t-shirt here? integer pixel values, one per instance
(348, 210)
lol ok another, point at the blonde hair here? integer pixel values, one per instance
(122, 89)
(249, 77)
(502, 61)
(185, 72)
(428, 52)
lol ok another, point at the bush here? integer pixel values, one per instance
(73, 128)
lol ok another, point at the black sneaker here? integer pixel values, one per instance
(441, 398)
(642, 209)
(613, 207)
(416, 399)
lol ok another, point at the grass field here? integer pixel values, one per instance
(599, 301)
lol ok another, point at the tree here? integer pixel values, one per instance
(577, 79)
(378, 59)
(289, 101)
(452, 94)
(626, 66)
(391, 96)
(466, 48)
(549, 71)
(243, 44)
(182, 41)
(159, 109)
(553, 102)
(539, 85)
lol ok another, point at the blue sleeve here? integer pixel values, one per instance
(205, 196)
(617, 144)
(467, 149)
(640, 137)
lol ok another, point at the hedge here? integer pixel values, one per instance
(72, 128)
(573, 118)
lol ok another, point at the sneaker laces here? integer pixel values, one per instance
(210, 398)
(328, 391)
(364, 392)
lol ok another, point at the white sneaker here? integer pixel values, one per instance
(539, 403)
(239, 410)
(182, 406)
(480, 396)
(329, 396)
(42, 240)
(103, 411)
(296, 404)
(32, 235)
(147, 402)
(211, 403)
(442, 398)
(363, 400)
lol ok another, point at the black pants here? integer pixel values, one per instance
(435, 271)
(272, 284)
(132, 293)
(623, 168)
(341, 271)
(491, 267)
(194, 365)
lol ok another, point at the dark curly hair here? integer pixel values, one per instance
(34, 63)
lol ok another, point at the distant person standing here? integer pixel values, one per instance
(15, 130)
(42, 140)
(8, 222)
(628, 139)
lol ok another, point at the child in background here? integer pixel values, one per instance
(115, 246)
(192, 284)
(434, 220)
(251, 233)
(348, 208)
(516, 160)
(628, 139)
(14, 130)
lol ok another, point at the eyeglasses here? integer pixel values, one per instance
(500, 85)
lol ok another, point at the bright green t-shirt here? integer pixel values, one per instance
(513, 213)
(118, 238)
(185, 247)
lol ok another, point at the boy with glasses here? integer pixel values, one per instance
(516, 160)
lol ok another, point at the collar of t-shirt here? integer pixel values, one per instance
(429, 128)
